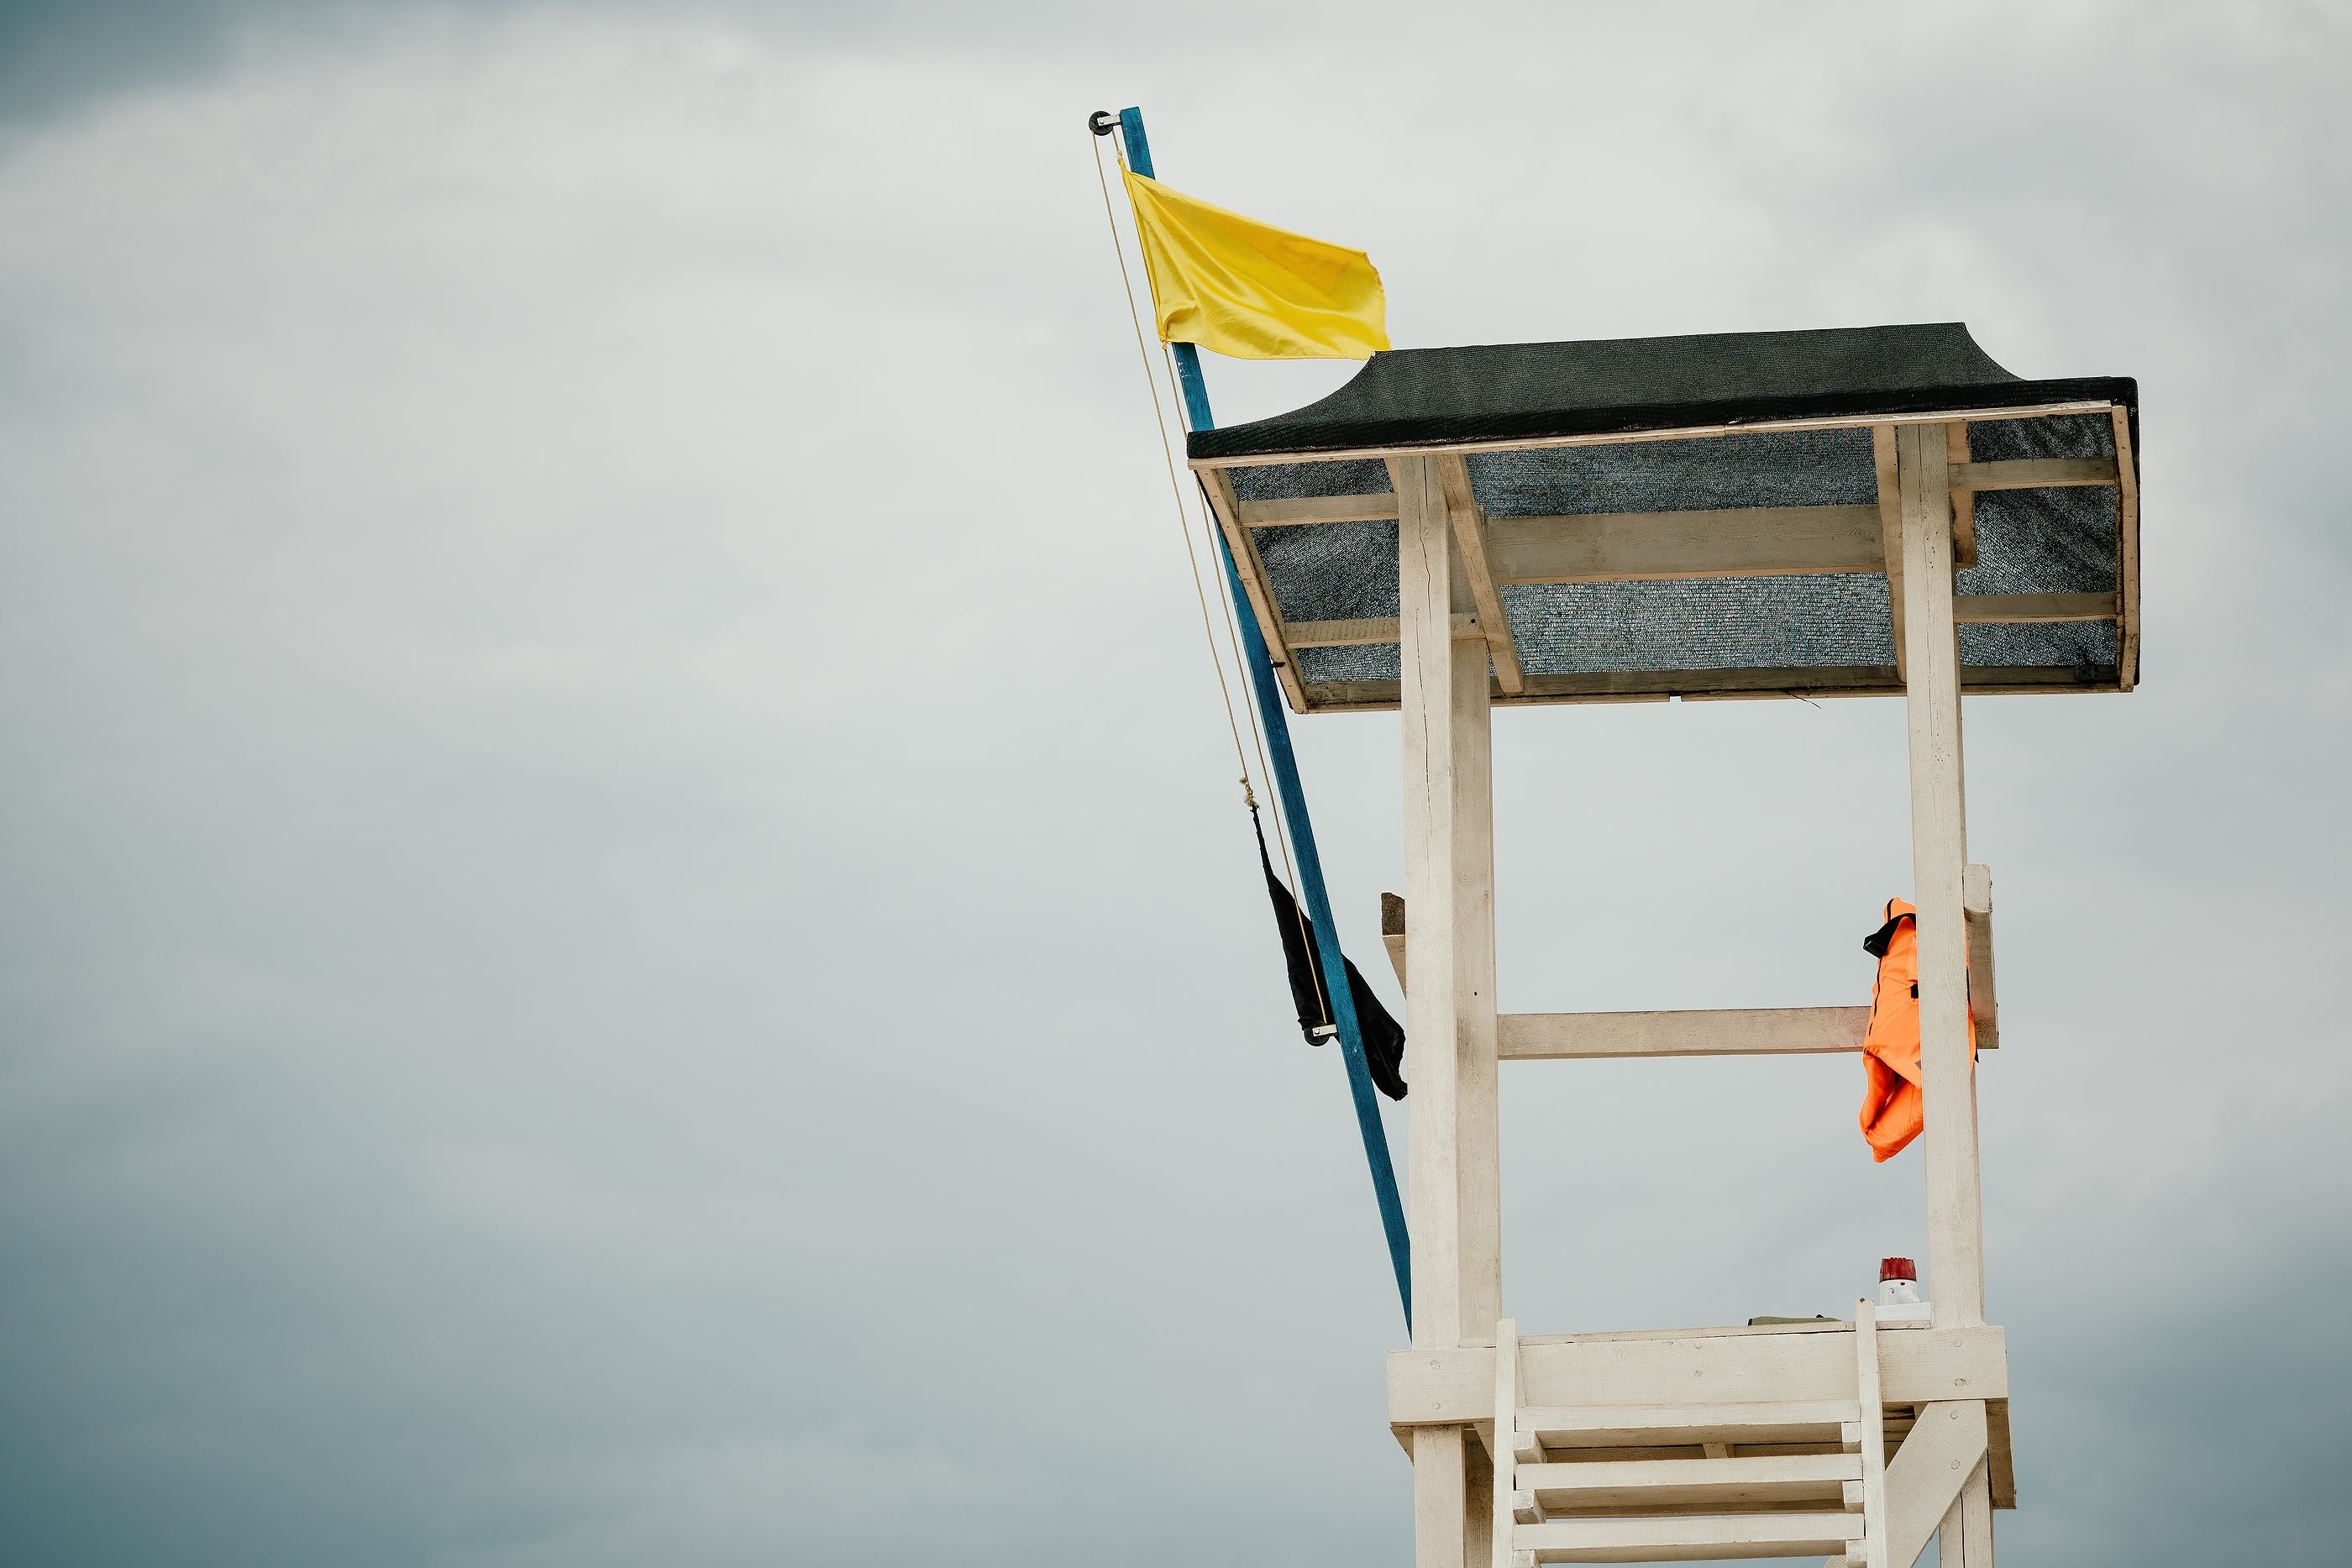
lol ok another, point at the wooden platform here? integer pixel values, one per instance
(1767, 1391)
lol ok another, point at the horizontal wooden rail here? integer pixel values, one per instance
(2026, 609)
(1294, 511)
(1722, 1032)
(1742, 1368)
(2021, 474)
(2033, 473)
(1625, 546)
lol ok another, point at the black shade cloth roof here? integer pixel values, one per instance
(1752, 449)
(1516, 392)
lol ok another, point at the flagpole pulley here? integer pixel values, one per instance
(1102, 123)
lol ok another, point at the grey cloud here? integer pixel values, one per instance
(628, 939)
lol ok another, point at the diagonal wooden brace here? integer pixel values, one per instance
(1927, 1473)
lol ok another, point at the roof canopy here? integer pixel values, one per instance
(1702, 516)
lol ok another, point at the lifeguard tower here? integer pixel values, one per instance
(1882, 511)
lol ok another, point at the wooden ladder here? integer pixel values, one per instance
(1677, 1482)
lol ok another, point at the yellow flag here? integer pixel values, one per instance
(1252, 290)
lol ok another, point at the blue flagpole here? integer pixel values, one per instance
(1274, 720)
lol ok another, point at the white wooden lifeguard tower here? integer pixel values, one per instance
(1876, 511)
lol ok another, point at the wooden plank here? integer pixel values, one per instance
(1507, 1444)
(2028, 473)
(1339, 633)
(1426, 654)
(1719, 1031)
(1964, 500)
(2127, 552)
(1392, 933)
(2030, 609)
(1731, 1482)
(1675, 432)
(1367, 634)
(1935, 1463)
(1984, 1001)
(1303, 510)
(1471, 540)
(1479, 1525)
(1683, 1540)
(2004, 1467)
(1439, 1500)
(1915, 1366)
(1938, 851)
(1890, 530)
(1579, 1427)
(1623, 546)
(1450, 910)
(1965, 1538)
(1811, 683)
(1218, 487)
(1874, 1432)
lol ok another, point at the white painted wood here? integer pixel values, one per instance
(1439, 1500)
(1976, 1518)
(1618, 547)
(1938, 851)
(1732, 1483)
(1874, 1433)
(1951, 1536)
(1455, 1198)
(1294, 512)
(1582, 1426)
(1479, 1494)
(1737, 1370)
(1425, 595)
(1677, 1540)
(1718, 1032)
(1928, 1473)
(1504, 1495)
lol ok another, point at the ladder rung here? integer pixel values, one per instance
(1695, 1538)
(1617, 1484)
(1635, 1425)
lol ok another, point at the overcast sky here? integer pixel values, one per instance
(627, 938)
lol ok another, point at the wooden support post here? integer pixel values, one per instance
(1965, 1538)
(1476, 549)
(1450, 910)
(1478, 1504)
(1439, 1499)
(1455, 1178)
(1939, 851)
(1874, 1436)
(1890, 524)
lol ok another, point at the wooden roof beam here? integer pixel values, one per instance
(1473, 539)
(2030, 473)
(1296, 511)
(1218, 486)
(1890, 535)
(1631, 547)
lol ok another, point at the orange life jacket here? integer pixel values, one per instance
(1893, 1109)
